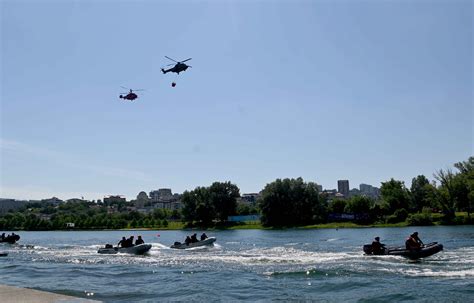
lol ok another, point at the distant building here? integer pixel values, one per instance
(164, 198)
(354, 192)
(369, 191)
(55, 201)
(142, 199)
(343, 187)
(75, 200)
(160, 194)
(11, 204)
(320, 188)
(250, 199)
(114, 199)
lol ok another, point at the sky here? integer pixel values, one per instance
(323, 90)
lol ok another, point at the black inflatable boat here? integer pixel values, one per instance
(426, 251)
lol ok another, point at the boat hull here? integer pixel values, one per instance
(134, 250)
(208, 241)
(426, 251)
(10, 239)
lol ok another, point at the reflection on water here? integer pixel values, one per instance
(244, 265)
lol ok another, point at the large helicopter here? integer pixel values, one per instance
(130, 95)
(180, 66)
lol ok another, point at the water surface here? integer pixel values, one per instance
(245, 265)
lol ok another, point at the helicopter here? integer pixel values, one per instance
(130, 95)
(178, 67)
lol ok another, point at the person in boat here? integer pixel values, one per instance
(122, 243)
(3, 236)
(413, 242)
(203, 236)
(130, 241)
(139, 241)
(377, 247)
(188, 240)
(194, 238)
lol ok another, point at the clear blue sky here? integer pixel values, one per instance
(325, 90)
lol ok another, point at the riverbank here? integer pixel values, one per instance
(11, 294)
(332, 225)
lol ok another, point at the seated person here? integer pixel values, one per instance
(203, 236)
(129, 242)
(122, 243)
(413, 242)
(194, 238)
(139, 241)
(377, 247)
(188, 240)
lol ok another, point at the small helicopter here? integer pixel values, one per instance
(130, 95)
(178, 67)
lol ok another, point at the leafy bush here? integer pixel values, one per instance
(400, 215)
(420, 219)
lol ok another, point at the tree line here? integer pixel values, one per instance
(283, 202)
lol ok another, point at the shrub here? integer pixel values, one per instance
(420, 219)
(401, 214)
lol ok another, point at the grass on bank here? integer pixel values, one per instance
(174, 225)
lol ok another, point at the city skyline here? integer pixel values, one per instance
(149, 192)
(363, 91)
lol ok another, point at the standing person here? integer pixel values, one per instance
(139, 241)
(377, 247)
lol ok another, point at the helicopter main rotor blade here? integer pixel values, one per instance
(171, 59)
(186, 60)
(124, 87)
(170, 64)
(139, 90)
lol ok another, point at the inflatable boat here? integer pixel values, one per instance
(134, 250)
(425, 251)
(208, 241)
(11, 239)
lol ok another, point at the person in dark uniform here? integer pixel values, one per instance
(139, 241)
(188, 240)
(377, 247)
(122, 243)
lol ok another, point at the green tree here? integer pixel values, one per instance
(395, 195)
(419, 193)
(359, 205)
(464, 185)
(446, 193)
(337, 206)
(197, 206)
(289, 202)
(223, 196)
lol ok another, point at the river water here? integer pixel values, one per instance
(324, 265)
